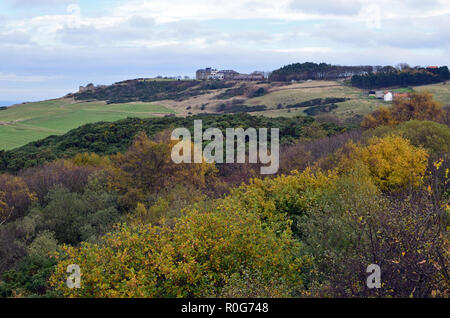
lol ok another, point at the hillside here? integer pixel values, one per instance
(29, 122)
(347, 197)
(108, 138)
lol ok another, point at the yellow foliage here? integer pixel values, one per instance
(15, 197)
(91, 159)
(4, 208)
(382, 116)
(195, 257)
(392, 161)
(147, 167)
(420, 106)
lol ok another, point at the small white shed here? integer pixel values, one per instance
(388, 97)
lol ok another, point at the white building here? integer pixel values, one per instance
(388, 97)
(216, 75)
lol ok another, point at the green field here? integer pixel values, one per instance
(24, 123)
(441, 92)
(359, 103)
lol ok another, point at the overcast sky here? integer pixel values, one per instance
(50, 47)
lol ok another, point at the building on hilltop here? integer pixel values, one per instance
(216, 75)
(203, 74)
(89, 87)
(227, 75)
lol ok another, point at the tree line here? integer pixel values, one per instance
(387, 77)
(316, 71)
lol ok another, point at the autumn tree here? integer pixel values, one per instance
(15, 197)
(392, 161)
(196, 257)
(420, 106)
(147, 168)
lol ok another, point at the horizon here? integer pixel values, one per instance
(9, 103)
(53, 47)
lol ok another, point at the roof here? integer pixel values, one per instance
(401, 94)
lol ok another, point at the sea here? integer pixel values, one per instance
(8, 103)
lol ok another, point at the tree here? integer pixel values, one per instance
(420, 106)
(381, 116)
(75, 217)
(15, 198)
(432, 136)
(392, 161)
(195, 257)
(147, 168)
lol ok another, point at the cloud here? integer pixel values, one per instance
(58, 50)
(39, 3)
(26, 78)
(334, 7)
(15, 38)
(421, 33)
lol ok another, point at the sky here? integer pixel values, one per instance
(49, 48)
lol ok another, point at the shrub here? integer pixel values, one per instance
(197, 256)
(15, 198)
(420, 106)
(75, 217)
(392, 161)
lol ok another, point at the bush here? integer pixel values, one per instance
(420, 106)
(352, 225)
(75, 217)
(197, 256)
(392, 161)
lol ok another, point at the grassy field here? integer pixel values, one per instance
(441, 92)
(24, 123)
(29, 122)
(297, 93)
(359, 103)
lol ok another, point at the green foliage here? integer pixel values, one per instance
(44, 244)
(29, 279)
(149, 91)
(319, 102)
(259, 92)
(75, 217)
(309, 70)
(316, 110)
(434, 137)
(232, 92)
(401, 78)
(239, 108)
(109, 138)
(197, 256)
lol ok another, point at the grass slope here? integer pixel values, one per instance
(440, 91)
(297, 93)
(24, 123)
